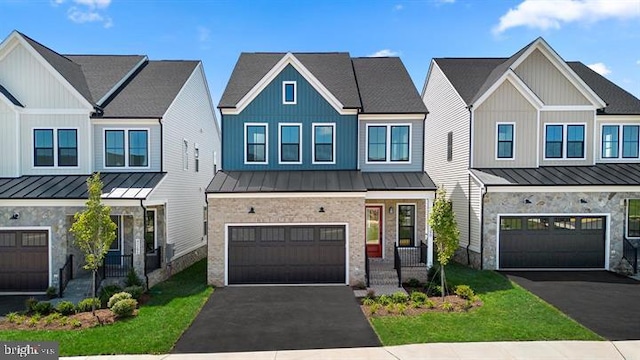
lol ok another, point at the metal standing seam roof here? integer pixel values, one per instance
(599, 174)
(386, 87)
(10, 97)
(136, 185)
(317, 181)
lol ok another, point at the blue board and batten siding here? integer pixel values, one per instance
(310, 108)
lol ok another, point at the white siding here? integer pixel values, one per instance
(191, 117)
(33, 84)
(80, 122)
(448, 113)
(8, 142)
(154, 146)
(416, 143)
(476, 213)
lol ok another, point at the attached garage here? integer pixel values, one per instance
(552, 242)
(24, 260)
(297, 254)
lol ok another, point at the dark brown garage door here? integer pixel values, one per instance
(286, 254)
(552, 242)
(24, 261)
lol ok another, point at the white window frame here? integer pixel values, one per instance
(565, 143)
(313, 145)
(266, 144)
(126, 148)
(388, 143)
(55, 147)
(513, 141)
(626, 219)
(185, 154)
(620, 143)
(415, 223)
(280, 161)
(284, 92)
(196, 157)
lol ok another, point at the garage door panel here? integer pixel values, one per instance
(24, 260)
(286, 254)
(552, 242)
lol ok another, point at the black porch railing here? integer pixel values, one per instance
(153, 260)
(65, 274)
(397, 264)
(413, 256)
(115, 265)
(366, 265)
(630, 252)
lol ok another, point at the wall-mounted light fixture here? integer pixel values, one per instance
(390, 209)
(583, 201)
(321, 209)
(252, 210)
(15, 216)
(527, 201)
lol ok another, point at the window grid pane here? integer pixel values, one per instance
(406, 225)
(290, 143)
(610, 141)
(399, 143)
(114, 148)
(138, 153)
(505, 141)
(323, 143)
(553, 138)
(67, 147)
(575, 141)
(633, 218)
(256, 143)
(43, 147)
(377, 146)
(630, 141)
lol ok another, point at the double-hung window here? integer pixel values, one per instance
(633, 218)
(388, 143)
(255, 143)
(406, 225)
(504, 146)
(126, 148)
(290, 149)
(564, 141)
(620, 141)
(55, 147)
(324, 143)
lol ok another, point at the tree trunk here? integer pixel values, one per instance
(442, 281)
(93, 291)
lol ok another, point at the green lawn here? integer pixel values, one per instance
(509, 313)
(173, 306)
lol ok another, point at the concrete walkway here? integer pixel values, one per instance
(547, 350)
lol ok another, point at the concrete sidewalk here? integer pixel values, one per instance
(547, 350)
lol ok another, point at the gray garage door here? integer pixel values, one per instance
(286, 254)
(24, 261)
(553, 242)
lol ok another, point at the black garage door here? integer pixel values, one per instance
(286, 254)
(552, 242)
(24, 261)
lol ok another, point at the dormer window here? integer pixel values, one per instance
(289, 93)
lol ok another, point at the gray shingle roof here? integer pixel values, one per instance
(103, 72)
(71, 71)
(386, 87)
(115, 186)
(150, 92)
(397, 181)
(333, 70)
(599, 174)
(10, 97)
(286, 181)
(471, 77)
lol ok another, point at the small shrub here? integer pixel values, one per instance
(447, 306)
(414, 283)
(75, 323)
(32, 322)
(390, 308)
(464, 291)
(385, 300)
(399, 297)
(135, 291)
(13, 317)
(43, 308)
(30, 304)
(64, 321)
(436, 290)
(124, 307)
(375, 308)
(401, 308)
(368, 301)
(66, 308)
(431, 274)
(85, 305)
(52, 317)
(468, 305)
(418, 297)
(429, 304)
(52, 292)
(132, 279)
(36, 317)
(107, 292)
(117, 297)
(371, 293)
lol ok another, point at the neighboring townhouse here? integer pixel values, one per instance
(322, 158)
(147, 126)
(540, 157)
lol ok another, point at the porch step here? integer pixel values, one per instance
(77, 289)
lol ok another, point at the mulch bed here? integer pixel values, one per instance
(458, 305)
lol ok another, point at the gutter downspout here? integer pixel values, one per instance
(424, 125)
(161, 145)
(144, 227)
(484, 192)
(469, 187)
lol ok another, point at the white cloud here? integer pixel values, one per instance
(638, 62)
(546, 15)
(384, 53)
(398, 7)
(204, 37)
(446, 1)
(93, 4)
(87, 11)
(600, 68)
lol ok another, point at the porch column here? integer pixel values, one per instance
(428, 203)
(138, 244)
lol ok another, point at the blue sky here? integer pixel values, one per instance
(601, 32)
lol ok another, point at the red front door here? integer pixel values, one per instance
(373, 227)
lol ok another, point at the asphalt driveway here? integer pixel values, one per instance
(605, 302)
(15, 303)
(278, 318)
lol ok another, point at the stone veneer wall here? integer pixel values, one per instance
(390, 222)
(285, 210)
(59, 219)
(612, 203)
